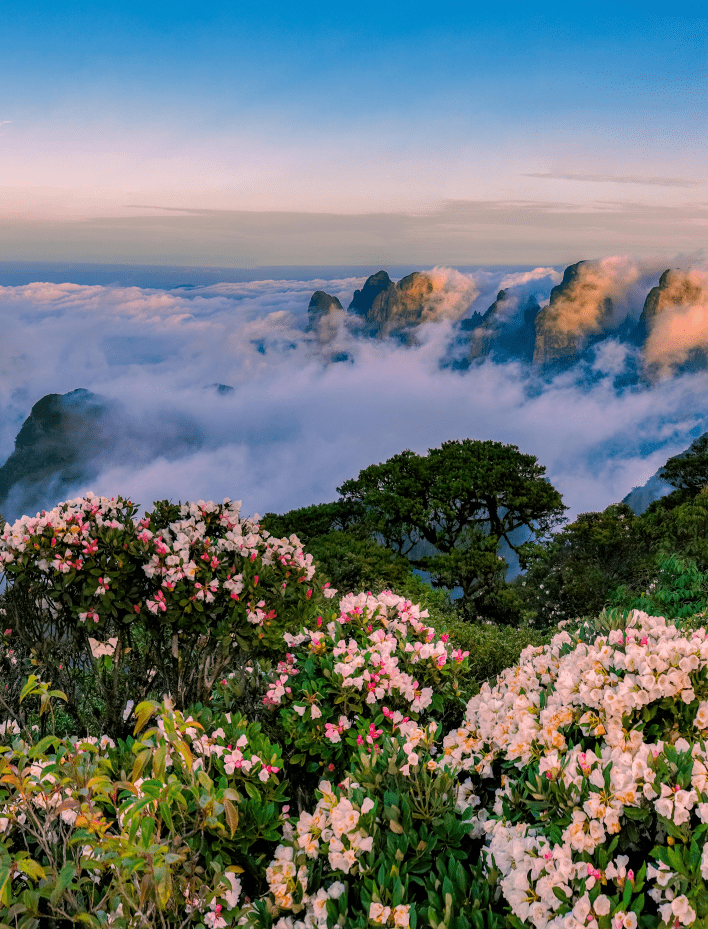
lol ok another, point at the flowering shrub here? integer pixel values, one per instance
(390, 846)
(597, 752)
(572, 793)
(374, 668)
(163, 600)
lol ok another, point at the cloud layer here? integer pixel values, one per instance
(297, 424)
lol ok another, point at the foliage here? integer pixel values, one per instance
(350, 563)
(84, 842)
(688, 471)
(599, 744)
(374, 668)
(462, 499)
(312, 522)
(572, 791)
(575, 573)
(341, 541)
(679, 590)
(391, 845)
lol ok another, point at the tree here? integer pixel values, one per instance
(463, 499)
(312, 522)
(688, 471)
(342, 543)
(574, 573)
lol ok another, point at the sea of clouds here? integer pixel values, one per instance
(297, 424)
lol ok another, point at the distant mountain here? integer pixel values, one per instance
(503, 330)
(640, 498)
(593, 302)
(54, 448)
(394, 310)
(69, 439)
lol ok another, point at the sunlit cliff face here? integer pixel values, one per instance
(676, 314)
(421, 297)
(583, 305)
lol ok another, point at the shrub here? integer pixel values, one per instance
(116, 609)
(571, 792)
(367, 671)
(392, 845)
(84, 841)
(595, 752)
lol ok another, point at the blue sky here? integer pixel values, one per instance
(152, 132)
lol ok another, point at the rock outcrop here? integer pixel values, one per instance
(325, 315)
(506, 330)
(676, 288)
(69, 439)
(389, 309)
(579, 309)
(53, 447)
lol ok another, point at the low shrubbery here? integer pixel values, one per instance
(292, 762)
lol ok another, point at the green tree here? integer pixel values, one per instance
(464, 500)
(341, 541)
(574, 573)
(688, 471)
(311, 522)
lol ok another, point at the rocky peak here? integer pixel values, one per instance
(376, 284)
(579, 309)
(675, 288)
(321, 303)
(508, 335)
(325, 315)
(54, 441)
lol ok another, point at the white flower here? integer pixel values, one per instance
(103, 648)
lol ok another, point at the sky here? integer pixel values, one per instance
(243, 135)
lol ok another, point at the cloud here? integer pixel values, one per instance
(296, 425)
(680, 327)
(458, 232)
(617, 179)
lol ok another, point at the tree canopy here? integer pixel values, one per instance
(464, 499)
(461, 486)
(689, 470)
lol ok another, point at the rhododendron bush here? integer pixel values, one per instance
(375, 668)
(155, 605)
(599, 748)
(291, 762)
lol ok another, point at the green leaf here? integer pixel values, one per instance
(166, 814)
(32, 868)
(66, 876)
(231, 814)
(5, 887)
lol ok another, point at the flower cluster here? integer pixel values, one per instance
(600, 748)
(374, 667)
